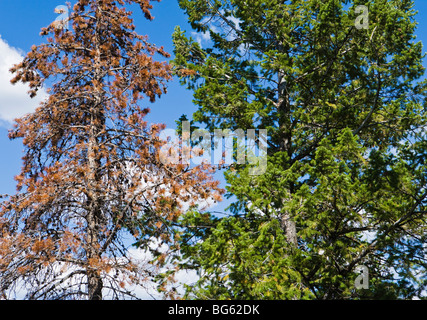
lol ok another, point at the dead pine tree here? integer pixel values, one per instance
(92, 175)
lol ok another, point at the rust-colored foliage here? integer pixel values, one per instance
(92, 173)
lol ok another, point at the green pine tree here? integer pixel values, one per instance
(340, 90)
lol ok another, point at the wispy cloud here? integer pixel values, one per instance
(219, 26)
(14, 100)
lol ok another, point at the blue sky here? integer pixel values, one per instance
(20, 24)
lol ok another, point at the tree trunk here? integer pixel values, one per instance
(95, 286)
(94, 218)
(283, 103)
(289, 227)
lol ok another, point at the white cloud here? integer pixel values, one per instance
(201, 37)
(149, 290)
(64, 276)
(14, 100)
